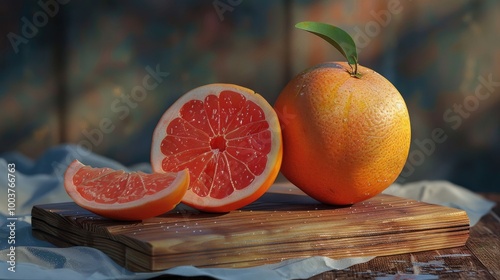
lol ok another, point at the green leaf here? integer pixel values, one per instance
(337, 37)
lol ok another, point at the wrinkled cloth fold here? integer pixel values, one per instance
(41, 181)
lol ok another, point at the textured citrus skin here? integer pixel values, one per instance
(345, 139)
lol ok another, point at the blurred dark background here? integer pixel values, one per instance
(73, 71)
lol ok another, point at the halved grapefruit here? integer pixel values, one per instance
(228, 137)
(119, 195)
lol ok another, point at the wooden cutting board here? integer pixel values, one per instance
(277, 227)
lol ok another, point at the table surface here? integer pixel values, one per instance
(478, 259)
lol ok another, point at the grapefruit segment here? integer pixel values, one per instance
(119, 195)
(230, 140)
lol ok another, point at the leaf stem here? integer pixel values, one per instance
(355, 72)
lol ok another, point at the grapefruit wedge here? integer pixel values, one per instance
(229, 139)
(119, 195)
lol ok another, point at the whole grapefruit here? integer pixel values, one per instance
(345, 138)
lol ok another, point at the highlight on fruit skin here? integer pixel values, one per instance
(346, 131)
(228, 137)
(119, 195)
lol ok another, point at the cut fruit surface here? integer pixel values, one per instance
(230, 140)
(120, 195)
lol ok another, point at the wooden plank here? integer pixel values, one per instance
(452, 263)
(292, 225)
(485, 243)
(477, 260)
(485, 238)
